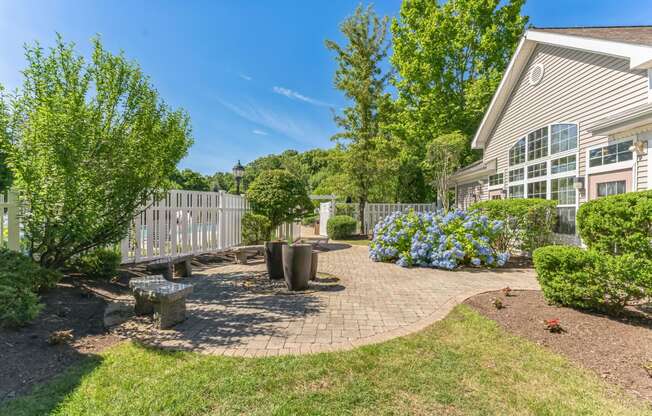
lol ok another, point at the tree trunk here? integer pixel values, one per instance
(361, 207)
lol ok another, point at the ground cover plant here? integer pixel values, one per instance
(462, 365)
(437, 239)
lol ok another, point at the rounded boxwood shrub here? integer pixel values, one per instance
(20, 279)
(528, 223)
(435, 239)
(101, 263)
(618, 224)
(256, 228)
(588, 279)
(341, 226)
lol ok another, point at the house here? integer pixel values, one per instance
(570, 121)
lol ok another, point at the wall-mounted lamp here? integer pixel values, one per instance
(579, 183)
(638, 147)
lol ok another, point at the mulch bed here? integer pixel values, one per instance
(26, 357)
(617, 349)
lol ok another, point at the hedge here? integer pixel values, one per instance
(256, 228)
(528, 223)
(588, 279)
(20, 280)
(101, 263)
(341, 226)
(618, 224)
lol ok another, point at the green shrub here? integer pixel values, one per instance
(588, 279)
(310, 219)
(341, 226)
(256, 228)
(101, 263)
(528, 223)
(346, 209)
(20, 279)
(618, 224)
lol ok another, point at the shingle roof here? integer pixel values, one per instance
(641, 35)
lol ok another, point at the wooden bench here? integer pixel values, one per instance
(181, 266)
(165, 299)
(242, 253)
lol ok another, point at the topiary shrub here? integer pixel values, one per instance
(434, 239)
(20, 279)
(101, 263)
(256, 228)
(341, 226)
(588, 279)
(618, 224)
(528, 223)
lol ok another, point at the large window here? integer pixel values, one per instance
(565, 220)
(563, 137)
(517, 191)
(563, 164)
(516, 175)
(496, 179)
(537, 189)
(611, 188)
(563, 190)
(517, 153)
(613, 153)
(537, 144)
(536, 170)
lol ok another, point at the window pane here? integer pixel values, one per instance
(563, 190)
(537, 190)
(612, 153)
(537, 144)
(611, 188)
(496, 179)
(539, 169)
(565, 220)
(517, 153)
(516, 191)
(564, 164)
(516, 175)
(563, 137)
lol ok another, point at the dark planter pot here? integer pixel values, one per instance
(297, 260)
(274, 258)
(313, 266)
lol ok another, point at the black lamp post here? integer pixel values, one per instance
(238, 173)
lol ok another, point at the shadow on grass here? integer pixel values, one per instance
(47, 396)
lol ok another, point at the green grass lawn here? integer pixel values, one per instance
(463, 365)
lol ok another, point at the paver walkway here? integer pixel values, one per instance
(236, 310)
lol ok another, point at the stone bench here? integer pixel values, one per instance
(242, 253)
(181, 265)
(166, 300)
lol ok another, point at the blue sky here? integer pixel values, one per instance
(254, 75)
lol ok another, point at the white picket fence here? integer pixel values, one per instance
(182, 223)
(373, 212)
(9, 225)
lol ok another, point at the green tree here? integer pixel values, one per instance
(280, 196)
(90, 142)
(223, 181)
(360, 76)
(444, 156)
(450, 58)
(190, 180)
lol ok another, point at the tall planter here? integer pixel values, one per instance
(274, 258)
(297, 261)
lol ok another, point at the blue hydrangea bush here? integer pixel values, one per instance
(437, 239)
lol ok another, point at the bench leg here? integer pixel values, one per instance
(168, 272)
(168, 314)
(143, 306)
(241, 257)
(184, 269)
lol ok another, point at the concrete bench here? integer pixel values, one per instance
(166, 300)
(315, 241)
(242, 253)
(181, 266)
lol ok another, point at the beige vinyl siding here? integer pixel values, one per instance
(578, 87)
(468, 193)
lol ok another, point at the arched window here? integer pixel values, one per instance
(517, 153)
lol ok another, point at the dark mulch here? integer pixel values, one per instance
(26, 357)
(617, 349)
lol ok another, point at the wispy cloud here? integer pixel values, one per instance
(294, 95)
(245, 77)
(260, 132)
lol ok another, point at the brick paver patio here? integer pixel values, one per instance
(236, 310)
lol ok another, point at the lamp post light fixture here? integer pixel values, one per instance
(238, 173)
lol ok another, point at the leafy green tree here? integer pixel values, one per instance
(90, 142)
(190, 180)
(450, 57)
(361, 77)
(444, 156)
(280, 196)
(223, 181)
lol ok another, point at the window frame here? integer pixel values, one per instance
(626, 164)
